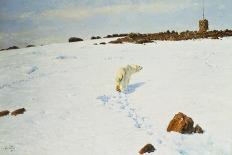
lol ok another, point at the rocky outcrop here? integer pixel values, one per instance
(18, 111)
(74, 39)
(183, 124)
(148, 148)
(172, 36)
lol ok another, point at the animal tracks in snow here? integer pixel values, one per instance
(119, 102)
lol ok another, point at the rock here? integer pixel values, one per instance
(115, 35)
(102, 43)
(148, 148)
(74, 39)
(30, 45)
(2, 49)
(95, 43)
(118, 41)
(4, 113)
(18, 111)
(215, 37)
(198, 129)
(144, 40)
(181, 123)
(12, 47)
(97, 37)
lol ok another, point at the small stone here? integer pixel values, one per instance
(198, 129)
(148, 148)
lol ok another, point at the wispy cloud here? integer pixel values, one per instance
(50, 21)
(77, 13)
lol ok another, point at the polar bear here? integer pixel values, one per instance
(124, 74)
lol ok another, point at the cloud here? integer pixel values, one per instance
(76, 13)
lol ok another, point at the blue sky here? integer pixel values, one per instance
(38, 22)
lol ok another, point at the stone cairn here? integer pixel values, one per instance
(203, 25)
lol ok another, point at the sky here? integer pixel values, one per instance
(37, 22)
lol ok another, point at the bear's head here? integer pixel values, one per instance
(137, 68)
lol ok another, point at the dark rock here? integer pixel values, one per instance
(142, 41)
(115, 35)
(148, 148)
(30, 45)
(97, 37)
(118, 41)
(181, 123)
(2, 49)
(198, 129)
(74, 39)
(4, 113)
(102, 43)
(122, 34)
(18, 111)
(108, 36)
(95, 43)
(12, 47)
(215, 37)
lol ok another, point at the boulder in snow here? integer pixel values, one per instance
(181, 123)
(74, 39)
(198, 129)
(148, 148)
(102, 43)
(18, 111)
(4, 113)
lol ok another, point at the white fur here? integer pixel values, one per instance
(124, 74)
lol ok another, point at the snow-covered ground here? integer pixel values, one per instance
(72, 106)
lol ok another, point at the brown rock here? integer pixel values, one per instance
(142, 41)
(102, 43)
(215, 37)
(74, 39)
(148, 148)
(18, 111)
(4, 113)
(181, 123)
(118, 41)
(198, 129)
